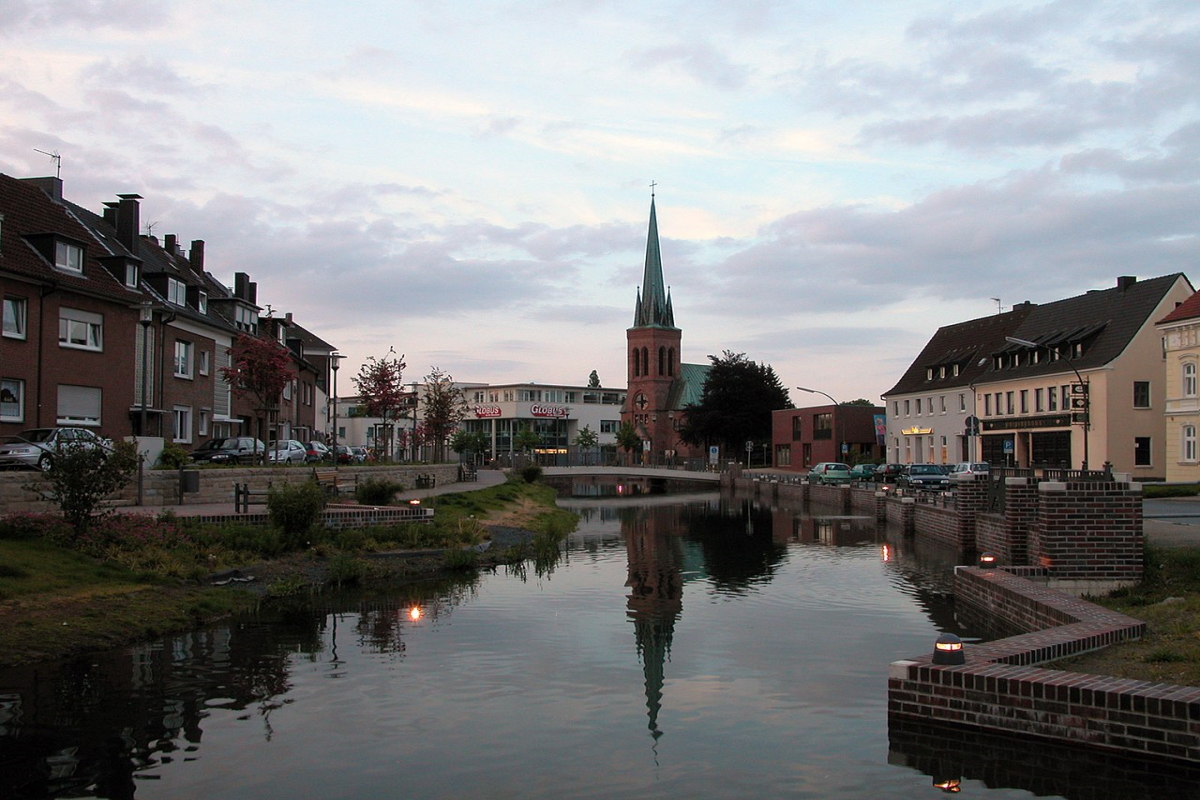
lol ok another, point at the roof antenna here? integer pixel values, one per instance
(999, 308)
(57, 161)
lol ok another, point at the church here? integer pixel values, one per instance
(660, 384)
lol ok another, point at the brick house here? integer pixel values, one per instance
(802, 437)
(70, 319)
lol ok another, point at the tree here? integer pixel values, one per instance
(445, 406)
(81, 476)
(463, 441)
(526, 439)
(628, 439)
(862, 401)
(379, 384)
(735, 405)
(594, 380)
(259, 369)
(586, 440)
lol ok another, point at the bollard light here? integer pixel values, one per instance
(948, 785)
(987, 561)
(948, 651)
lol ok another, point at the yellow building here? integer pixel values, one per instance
(1181, 347)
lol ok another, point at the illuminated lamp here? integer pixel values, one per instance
(948, 785)
(948, 651)
(987, 561)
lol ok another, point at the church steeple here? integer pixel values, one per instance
(654, 299)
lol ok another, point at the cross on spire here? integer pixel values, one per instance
(652, 185)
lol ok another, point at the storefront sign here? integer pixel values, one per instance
(549, 411)
(487, 412)
(916, 431)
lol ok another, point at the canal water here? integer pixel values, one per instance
(678, 647)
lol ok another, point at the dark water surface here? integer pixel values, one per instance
(683, 648)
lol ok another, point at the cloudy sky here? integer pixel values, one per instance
(469, 182)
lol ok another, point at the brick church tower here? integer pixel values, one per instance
(659, 384)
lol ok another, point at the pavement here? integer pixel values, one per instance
(486, 478)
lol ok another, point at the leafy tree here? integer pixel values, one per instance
(445, 406)
(477, 442)
(736, 404)
(862, 401)
(379, 384)
(526, 439)
(81, 476)
(628, 439)
(587, 439)
(259, 369)
(594, 380)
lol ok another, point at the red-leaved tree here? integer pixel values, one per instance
(260, 368)
(379, 384)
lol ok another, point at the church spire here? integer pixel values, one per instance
(654, 302)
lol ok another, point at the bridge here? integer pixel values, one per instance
(633, 472)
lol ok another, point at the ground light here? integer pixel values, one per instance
(987, 561)
(948, 651)
(948, 785)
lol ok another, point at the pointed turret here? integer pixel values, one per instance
(654, 301)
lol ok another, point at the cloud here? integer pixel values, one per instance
(42, 15)
(145, 73)
(700, 61)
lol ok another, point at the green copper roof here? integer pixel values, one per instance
(654, 301)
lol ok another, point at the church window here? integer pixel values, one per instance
(671, 361)
(662, 360)
(636, 363)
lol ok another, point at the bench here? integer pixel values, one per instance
(329, 479)
(244, 497)
(467, 472)
(426, 481)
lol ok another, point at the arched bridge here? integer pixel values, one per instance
(651, 478)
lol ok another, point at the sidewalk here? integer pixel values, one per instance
(487, 477)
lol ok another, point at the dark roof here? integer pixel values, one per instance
(653, 309)
(29, 212)
(1186, 310)
(1103, 321)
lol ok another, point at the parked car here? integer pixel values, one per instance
(887, 473)
(229, 450)
(863, 472)
(317, 451)
(345, 455)
(970, 468)
(362, 455)
(35, 448)
(924, 476)
(830, 472)
(287, 451)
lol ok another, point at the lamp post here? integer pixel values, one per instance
(334, 358)
(836, 406)
(1085, 389)
(145, 318)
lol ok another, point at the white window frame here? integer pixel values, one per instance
(202, 362)
(16, 387)
(203, 419)
(181, 424)
(131, 275)
(1187, 444)
(183, 359)
(80, 330)
(79, 405)
(202, 302)
(1189, 379)
(176, 292)
(16, 317)
(68, 257)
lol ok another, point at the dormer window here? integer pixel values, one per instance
(176, 292)
(131, 275)
(929, 373)
(202, 302)
(68, 257)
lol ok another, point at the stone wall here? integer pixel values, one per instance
(1088, 531)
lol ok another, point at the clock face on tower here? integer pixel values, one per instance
(640, 401)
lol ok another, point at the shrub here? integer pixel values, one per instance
(346, 569)
(295, 508)
(377, 491)
(173, 456)
(32, 526)
(531, 473)
(252, 539)
(82, 476)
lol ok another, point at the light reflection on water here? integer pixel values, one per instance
(678, 649)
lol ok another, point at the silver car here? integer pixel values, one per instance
(287, 451)
(36, 448)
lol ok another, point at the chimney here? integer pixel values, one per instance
(169, 244)
(51, 186)
(1125, 281)
(253, 289)
(240, 280)
(129, 222)
(196, 256)
(110, 215)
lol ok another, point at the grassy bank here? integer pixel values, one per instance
(131, 579)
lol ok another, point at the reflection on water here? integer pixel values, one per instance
(680, 647)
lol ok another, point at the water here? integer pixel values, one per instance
(698, 649)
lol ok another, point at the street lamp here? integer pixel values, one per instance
(145, 318)
(1087, 396)
(836, 405)
(334, 358)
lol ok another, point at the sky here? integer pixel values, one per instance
(469, 182)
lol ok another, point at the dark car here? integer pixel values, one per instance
(924, 476)
(344, 454)
(317, 451)
(888, 473)
(229, 450)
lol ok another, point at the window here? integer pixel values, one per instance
(1024, 401)
(529, 395)
(80, 329)
(609, 425)
(131, 275)
(987, 405)
(797, 428)
(1188, 443)
(1141, 451)
(181, 422)
(1038, 404)
(202, 302)
(962, 402)
(1008, 396)
(554, 395)
(1052, 398)
(823, 426)
(68, 256)
(79, 405)
(783, 455)
(12, 400)
(1189, 379)
(176, 292)
(202, 421)
(918, 406)
(906, 408)
(1141, 394)
(14, 317)
(895, 408)
(183, 359)
(202, 362)
(942, 402)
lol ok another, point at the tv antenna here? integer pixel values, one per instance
(999, 308)
(57, 161)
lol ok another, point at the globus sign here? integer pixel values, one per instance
(487, 412)
(549, 411)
